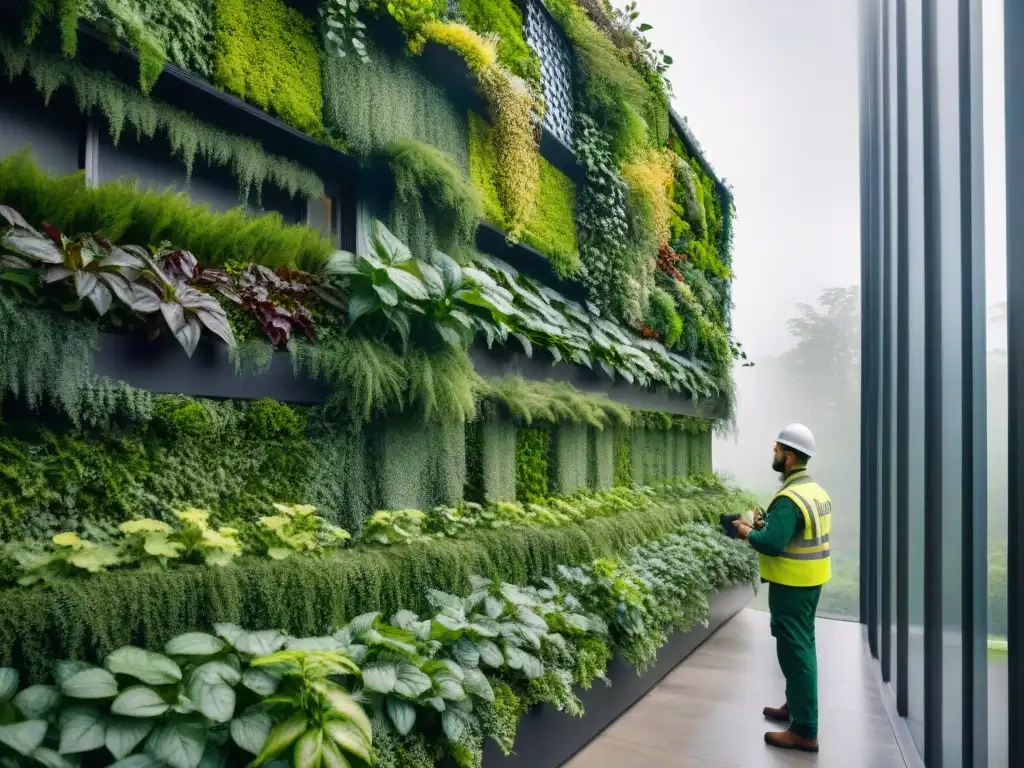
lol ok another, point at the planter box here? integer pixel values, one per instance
(162, 367)
(547, 738)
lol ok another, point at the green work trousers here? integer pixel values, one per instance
(792, 610)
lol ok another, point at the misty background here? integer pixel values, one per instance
(771, 92)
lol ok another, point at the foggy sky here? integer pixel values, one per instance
(770, 88)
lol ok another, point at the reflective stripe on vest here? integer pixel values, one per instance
(805, 562)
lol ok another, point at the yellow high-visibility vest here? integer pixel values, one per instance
(805, 561)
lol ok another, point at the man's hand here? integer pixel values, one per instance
(743, 529)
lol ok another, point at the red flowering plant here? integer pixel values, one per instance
(668, 262)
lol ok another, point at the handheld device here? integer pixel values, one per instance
(727, 525)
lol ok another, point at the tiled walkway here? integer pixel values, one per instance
(707, 713)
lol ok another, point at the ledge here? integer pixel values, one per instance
(528, 261)
(161, 366)
(547, 738)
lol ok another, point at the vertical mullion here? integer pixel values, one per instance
(902, 370)
(885, 348)
(933, 678)
(974, 513)
(1013, 30)
(866, 202)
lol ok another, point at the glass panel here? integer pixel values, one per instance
(995, 266)
(319, 215)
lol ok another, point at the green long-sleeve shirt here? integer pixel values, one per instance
(782, 522)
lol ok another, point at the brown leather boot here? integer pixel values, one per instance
(790, 740)
(780, 715)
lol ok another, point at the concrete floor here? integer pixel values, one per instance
(707, 713)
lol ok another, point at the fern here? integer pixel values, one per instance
(443, 387)
(189, 138)
(44, 357)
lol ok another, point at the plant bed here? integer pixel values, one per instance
(547, 738)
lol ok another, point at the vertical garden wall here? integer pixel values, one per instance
(358, 369)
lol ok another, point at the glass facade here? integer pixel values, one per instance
(942, 341)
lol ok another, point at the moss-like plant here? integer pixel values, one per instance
(512, 105)
(623, 458)
(120, 211)
(532, 451)
(65, 13)
(266, 53)
(189, 138)
(370, 106)
(429, 182)
(504, 19)
(650, 182)
(552, 228)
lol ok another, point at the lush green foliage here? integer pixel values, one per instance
(87, 618)
(229, 697)
(266, 53)
(435, 681)
(504, 19)
(370, 106)
(189, 138)
(120, 211)
(126, 22)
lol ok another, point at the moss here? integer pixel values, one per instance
(623, 458)
(266, 53)
(568, 462)
(552, 228)
(87, 618)
(532, 451)
(504, 19)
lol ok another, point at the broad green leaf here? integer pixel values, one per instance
(380, 677)
(8, 683)
(466, 653)
(360, 304)
(37, 701)
(178, 744)
(387, 293)
(124, 734)
(494, 606)
(94, 683)
(194, 644)
(333, 757)
(362, 623)
(281, 738)
(214, 757)
(24, 738)
(402, 714)
(476, 684)
(347, 707)
(387, 246)
(526, 663)
(349, 738)
(408, 284)
(451, 689)
(251, 730)
(260, 681)
(454, 724)
(259, 643)
(490, 653)
(432, 280)
(410, 681)
(139, 701)
(309, 749)
(228, 632)
(210, 689)
(65, 670)
(33, 246)
(82, 729)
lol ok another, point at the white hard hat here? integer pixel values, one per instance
(798, 437)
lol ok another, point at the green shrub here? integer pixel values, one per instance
(267, 53)
(122, 212)
(86, 619)
(504, 19)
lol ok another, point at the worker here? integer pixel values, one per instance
(792, 542)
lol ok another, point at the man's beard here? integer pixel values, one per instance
(779, 465)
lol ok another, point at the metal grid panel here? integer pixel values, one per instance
(546, 39)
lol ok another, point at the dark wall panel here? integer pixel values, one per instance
(54, 132)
